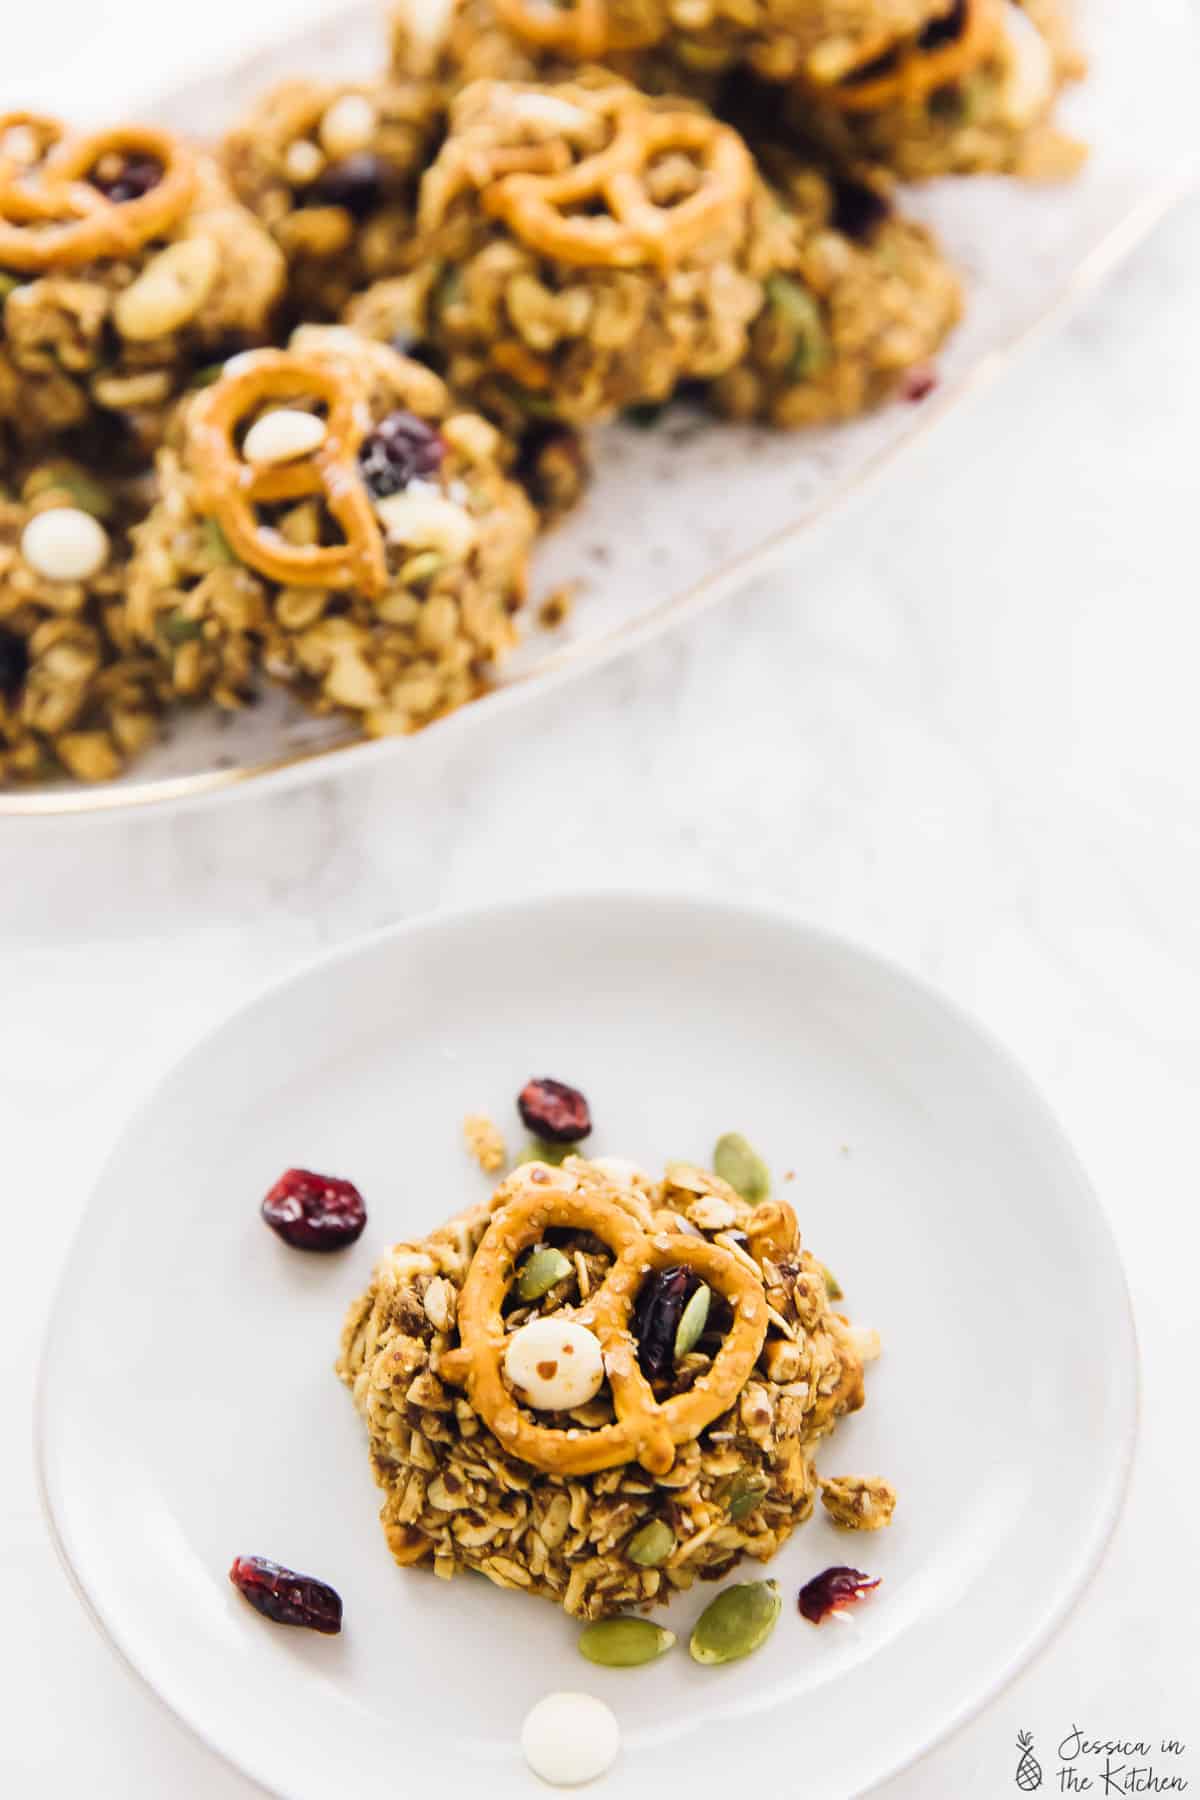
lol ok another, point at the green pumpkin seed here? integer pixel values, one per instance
(800, 314)
(87, 494)
(692, 1321)
(177, 628)
(542, 1270)
(651, 1546)
(554, 1154)
(736, 1623)
(217, 543)
(205, 377)
(833, 1286)
(625, 1643)
(738, 1163)
(7, 284)
(745, 1492)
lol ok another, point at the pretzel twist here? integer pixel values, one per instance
(634, 229)
(915, 71)
(53, 217)
(646, 1430)
(581, 31)
(231, 489)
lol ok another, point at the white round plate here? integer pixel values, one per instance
(189, 1412)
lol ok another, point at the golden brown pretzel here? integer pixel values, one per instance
(53, 217)
(914, 71)
(579, 31)
(633, 229)
(231, 489)
(646, 1430)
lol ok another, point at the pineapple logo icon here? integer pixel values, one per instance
(1029, 1770)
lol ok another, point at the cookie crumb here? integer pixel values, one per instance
(859, 1502)
(556, 607)
(485, 1141)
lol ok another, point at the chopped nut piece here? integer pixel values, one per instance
(485, 1141)
(859, 1502)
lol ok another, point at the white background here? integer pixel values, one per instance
(963, 727)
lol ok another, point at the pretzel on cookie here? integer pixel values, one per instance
(646, 1430)
(52, 216)
(580, 31)
(912, 70)
(545, 209)
(232, 490)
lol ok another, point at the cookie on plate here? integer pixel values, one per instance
(126, 266)
(330, 513)
(583, 249)
(599, 1388)
(331, 170)
(75, 696)
(858, 300)
(972, 94)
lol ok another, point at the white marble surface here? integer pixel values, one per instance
(963, 728)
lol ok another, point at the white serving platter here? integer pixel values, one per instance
(686, 513)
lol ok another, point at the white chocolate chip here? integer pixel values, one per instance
(302, 161)
(554, 1364)
(169, 292)
(422, 518)
(65, 544)
(348, 125)
(1029, 80)
(282, 435)
(570, 1738)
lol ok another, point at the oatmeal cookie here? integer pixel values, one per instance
(125, 266)
(860, 297)
(974, 94)
(583, 249)
(331, 170)
(75, 695)
(329, 512)
(735, 1481)
(779, 39)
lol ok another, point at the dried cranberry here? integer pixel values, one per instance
(14, 663)
(135, 176)
(656, 1317)
(918, 384)
(946, 30)
(315, 1212)
(402, 448)
(832, 1590)
(554, 1111)
(286, 1597)
(858, 210)
(357, 183)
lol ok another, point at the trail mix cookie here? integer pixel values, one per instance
(780, 39)
(583, 249)
(974, 93)
(329, 511)
(860, 297)
(75, 696)
(599, 1388)
(125, 266)
(331, 170)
